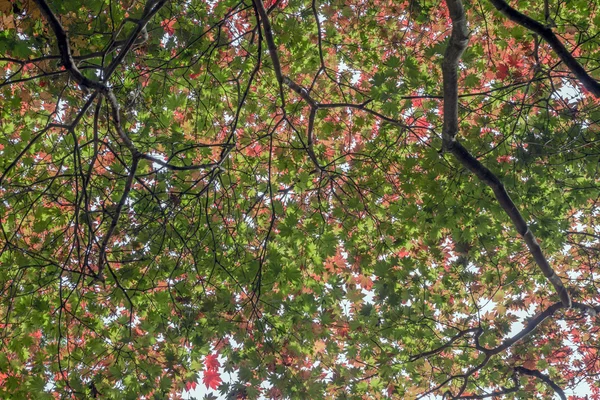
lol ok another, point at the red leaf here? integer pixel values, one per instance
(212, 379)
(190, 385)
(254, 150)
(167, 25)
(502, 71)
(504, 159)
(212, 362)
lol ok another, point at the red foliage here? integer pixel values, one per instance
(211, 378)
(168, 26)
(211, 362)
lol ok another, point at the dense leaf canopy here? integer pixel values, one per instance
(326, 199)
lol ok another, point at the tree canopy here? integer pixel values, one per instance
(299, 199)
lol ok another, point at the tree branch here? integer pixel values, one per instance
(65, 49)
(546, 33)
(531, 326)
(545, 378)
(444, 346)
(268, 31)
(115, 218)
(458, 43)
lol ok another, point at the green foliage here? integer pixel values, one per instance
(186, 207)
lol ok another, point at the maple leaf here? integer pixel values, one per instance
(268, 184)
(319, 346)
(211, 378)
(255, 150)
(168, 26)
(211, 362)
(3, 377)
(190, 385)
(502, 71)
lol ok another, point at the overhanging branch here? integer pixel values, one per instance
(546, 33)
(544, 378)
(458, 43)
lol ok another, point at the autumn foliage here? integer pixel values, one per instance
(299, 199)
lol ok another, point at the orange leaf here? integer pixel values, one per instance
(168, 26)
(319, 346)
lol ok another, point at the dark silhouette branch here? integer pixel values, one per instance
(444, 346)
(546, 33)
(543, 377)
(532, 325)
(529, 328)
(457, 45)
(65, 49)
(516, 385)
(115, 218)
(496, 393)
(151, 8)
(268, 32)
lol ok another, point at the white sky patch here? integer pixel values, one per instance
(569, 92)
(161, 157)
(342, 67)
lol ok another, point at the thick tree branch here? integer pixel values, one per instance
(309, 134)
(516, 385)
(490, 179)
(268, 31)
(65, 49)
(543, 377)
(531, 326)
(151, 8)
(538, 319)
(458, 43)
(546, 33)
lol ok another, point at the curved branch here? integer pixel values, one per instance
(531, 326)
(151, 8)
(546, 33)
(457, 45)
(516, 385)
(65, 49)
(496, 393)
(66, 56)
(268, 31)
(115, 219)
(444, 346)
(543, 377)
(538, 319)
